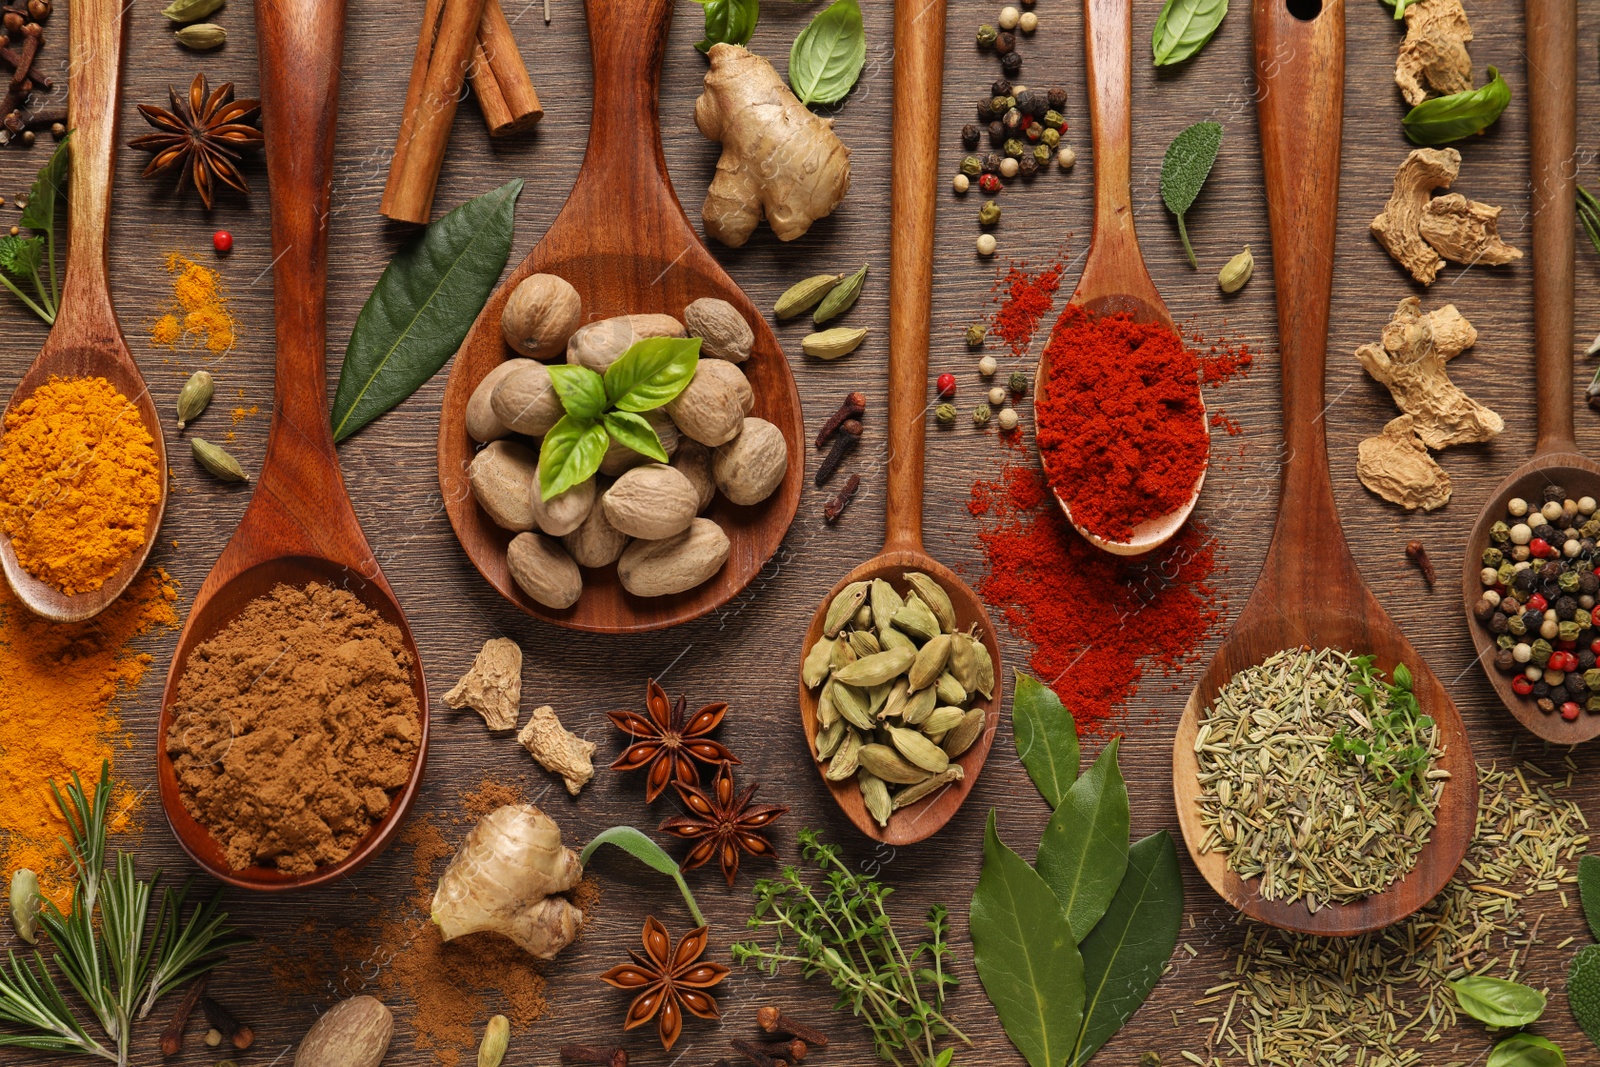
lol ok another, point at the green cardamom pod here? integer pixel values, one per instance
(896, 702)
(865, 643)
(943, 720)
(885, 602)
(913, 793)
(983, 682)
(919, 705)
(496, 1039)
(191, 10)
(875, 796)
(930, 662)
(844, 606)
(891, 766)
(216, 461)
(25, 904)
(917, 620)
(933, 594)
(842, 298)
(852, 704)
(844, 762)
(803, 296)
(950, 691)
(1237, 271)
(963, 665)
(918, 749)
(829, 739)
(827, 713)
(876, 669)
(202, 36)
(814, 671)
(961, 736)
(833, 344)
(892, 638)
(194, 396)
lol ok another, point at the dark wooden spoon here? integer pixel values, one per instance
(625, 244)
(1552, 115)
(918, 77)
(1115, 279)
(299, 527)
(86, 340)
(1310, 592)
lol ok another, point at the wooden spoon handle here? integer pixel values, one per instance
(914, 186)
(1552, 116)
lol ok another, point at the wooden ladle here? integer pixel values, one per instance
(86, 340)
(918, 77)
(299, 527)
(1114, 278)
(624, 243)
(1310, 592)
(1552, 111)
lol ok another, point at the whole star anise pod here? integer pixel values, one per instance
(722, 824)
(668, 980)
(201, 138)
(666, 743)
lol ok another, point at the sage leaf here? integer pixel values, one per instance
(1126, 952)
(827, 57)
(636, 433)
(1589, 891)
(1497, 1002)
(582, 391)
(1450, 118)
(1184, 27)
(641, 848)
(422, 307)
(1526, 1050)
(651, 372)
(1026, 956)
(1046, 737)
(1084, 851)
(1583, 991)
(728, 22)
(1184, 170)
(570, 454)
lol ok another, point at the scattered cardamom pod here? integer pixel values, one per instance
(202, 36)
(194, 396)
(496, 1039)
(1236, 271)
(841, 298)
(191, 10)
(216, 461)
(804, 295)
(25, 903)
(835, 343)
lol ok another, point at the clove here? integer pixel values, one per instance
(1419, 555)
(755, 1054)
(232, 1030)
(841, 500)
(772, 1019)
(791, 1050)
(606, 1056)
(854, 406)
(848, 437)
(172, 1036)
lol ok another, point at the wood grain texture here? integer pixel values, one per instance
(747, 652)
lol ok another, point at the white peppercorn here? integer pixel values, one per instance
(1010, 18)
(1008, 419)
(986, 244)
(1008, 167)
(987, 366)
(960, 183)
(1519, 506)
(1066, 157)
(1028, 22)
(997, 396)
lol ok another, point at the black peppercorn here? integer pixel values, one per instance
(1547, 533)
(986, 113)
(989, 164)
(1001, 87)
(1483, 610)
(1588, 583)
(1566, 607)
(1541, 689)
(1522, 582)
(1034, 102)
(1056, 98)
(1510, 606)
(1504, 661)
(1552, 493)
(969, 136)
(1586, 660)
(1551, 571)
(997, 134)
(1027, 167)
(1005, 43)
(1575, 687)
(1011, 63)
(1497, 623)
(1533, 620)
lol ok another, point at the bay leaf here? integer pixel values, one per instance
(1084, 851)
(1047, 738)
(1589, 891)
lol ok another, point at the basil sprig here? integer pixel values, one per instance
(1184, 170)
(1184, 27)
(827, 57)
(728, 22)
(1450, 118)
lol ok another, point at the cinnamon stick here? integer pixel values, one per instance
(499, 77)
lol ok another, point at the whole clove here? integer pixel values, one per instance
(221, 1019)
(772, 1019)
(789, 1050)
(755, 1054)
(1419, 555)
(606, 1056)
(854, 406)
(848, 437)
(833, 509)
(172, 1036)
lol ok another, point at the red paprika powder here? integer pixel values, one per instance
(1026, 297)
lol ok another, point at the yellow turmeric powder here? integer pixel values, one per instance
(78, 477)
(59, 688)
(199, 311)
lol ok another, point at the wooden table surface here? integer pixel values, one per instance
(747, 654)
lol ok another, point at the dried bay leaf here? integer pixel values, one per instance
(1083, 854)
(1047, 738)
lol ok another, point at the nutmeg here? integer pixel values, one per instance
(541, 314)
(674, 564)
(723, 332)
(565, 511)
(651, 502)
(527, 401)
(712, 407)
(693, 459)
(595, 543)
(543, 570)
(352, 1033)
(481, 422)
(503, 477)
(599, 344)
(752, 465)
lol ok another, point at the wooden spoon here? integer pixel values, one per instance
(625, 244)
(299, 527)
(86, 340)
(1552, 111)
(918, 77)
(1114, 278)
(1310, 592)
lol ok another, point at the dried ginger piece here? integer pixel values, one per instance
(1433, 56)
(1465, 231)
(558, 750)
(1399, 228)
(493, 687)
(1397, 466)
(1411, 362)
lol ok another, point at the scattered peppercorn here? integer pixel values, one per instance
(976, 334)
(1009, 167)
(1008, 420)
(1001, 87)
(972, 166)
(1028, 166)
(987, 36)
(989, 183)
(988, 214)
(1018, 382)
(997, 397)
(946, 414)
(946, 385)
(987, 366)
(222, 241)
(997, 134)
(1028, 22)
(980, 415)
(1053, 120)
(1056, 96)
(1066, 157)
(1011, 63)
(960, 183)
(969, 136)
(987, 244)
(1005, 44)
(1013, 148)
(1009, 16)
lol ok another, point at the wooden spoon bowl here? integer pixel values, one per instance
(644, 258)
(299, 527)
(86, 340)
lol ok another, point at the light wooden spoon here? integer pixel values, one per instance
(86, 340)
(1552, 115)
(1310, 592)
(1115, 279)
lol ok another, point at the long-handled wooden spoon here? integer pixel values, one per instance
(299, 527)
(86, 341)
(1114, 279)
(918, 78)
(1310, 592)
(1552, 114)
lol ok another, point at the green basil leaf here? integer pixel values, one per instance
(636, 432)
(1046, 737)
(582, 391)
(422, 307)
(728, 22)
(1497, 1002)
(1589, 891)
(571, 453)
(1184, 170)
(1526, 1050)
(641, 848)
(827, 57)
(1184, 27)
(1027, 959)
(1084, 851)
(652, 372)
(1450, 118)
(48, 185)
(1126, 952)
(1583, 991)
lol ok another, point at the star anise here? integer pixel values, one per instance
(666, 743)
(668, 980)
(722, 824)
(201, 138)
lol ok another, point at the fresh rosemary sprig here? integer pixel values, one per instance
(1397, 750)
(107, 960)
(846, 935)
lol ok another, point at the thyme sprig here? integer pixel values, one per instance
(845, 934)
(1397, 751)
(101, 944)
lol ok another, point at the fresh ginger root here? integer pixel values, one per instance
(778, 158)
(506, 878)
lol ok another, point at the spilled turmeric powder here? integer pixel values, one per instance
(199, 311)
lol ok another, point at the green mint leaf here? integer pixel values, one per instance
(728, 22)
(1526, 1050)
(48, 186)
(1450, 118)
(1084, 851)
(21, 255)
(827, 57)
(422, 307)
(646, 851)
(1583, 991)
(1589, 891)
(635, 432)
(1184, 170)
(571, 453)
(1183, 28)
(1046, 737)
(582, 391)
(1498, 1002)
(651, 372)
